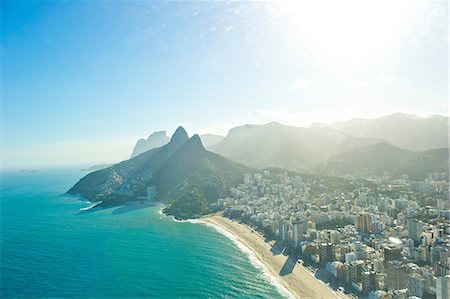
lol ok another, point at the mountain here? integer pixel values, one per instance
(160, 138)
(386, 159)
(209, 140)
(185, 175)
(292, 148)
(402, 130)
(155, 139)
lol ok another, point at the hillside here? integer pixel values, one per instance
(402, 130)
(386, 159)
(185, 175)
(292, 148)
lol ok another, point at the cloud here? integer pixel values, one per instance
(304, 83)
(386, 79)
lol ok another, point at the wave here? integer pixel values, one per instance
(268, 275)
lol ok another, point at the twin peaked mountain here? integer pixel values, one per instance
(183, 173)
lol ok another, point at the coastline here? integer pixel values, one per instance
(299, 283)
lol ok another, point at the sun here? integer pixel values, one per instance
(345, 30)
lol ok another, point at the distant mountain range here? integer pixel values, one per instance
(184, 174)
(395, 144)
(385, 159)
(403, 130)
(292, 148)
(155, 139)
(188, 177)
(160, 138)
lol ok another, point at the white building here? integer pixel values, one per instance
(443, 287)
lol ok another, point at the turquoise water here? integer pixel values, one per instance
(50, 249)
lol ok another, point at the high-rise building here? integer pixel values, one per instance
(299, 228)
(355, 270)
(442, 269)
(326, 253)
(383, 205)
(392, 253)
(283, 229)
(415, 229)
(335, 236)
(364, 223)
(443, 287)
(438, 254)
(416, 284)
(340, 250)
(369, 281)
(397, 275)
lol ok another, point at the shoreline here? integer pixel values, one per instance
(298, 283)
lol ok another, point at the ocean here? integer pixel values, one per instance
(49, 248)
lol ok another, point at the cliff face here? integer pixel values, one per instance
(157, 139)
(182, 171)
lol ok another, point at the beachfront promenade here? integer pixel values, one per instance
(293, 276)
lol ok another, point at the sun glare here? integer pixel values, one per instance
(348, 30)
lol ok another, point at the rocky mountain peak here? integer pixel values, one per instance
(180, 136)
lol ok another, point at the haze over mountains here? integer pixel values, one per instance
(188, 177)
(155, 139)
(393, 144)
(183, 173)
(292, 148)
(403, 130)
(385, 159)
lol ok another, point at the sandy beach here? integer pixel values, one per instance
(294, 277)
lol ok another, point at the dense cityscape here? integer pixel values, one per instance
(225, 149)
(378, 237)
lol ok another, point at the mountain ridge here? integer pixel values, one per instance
(289, 147)
(383, 159)
(403, 130)
(160, 138)
(181, 166)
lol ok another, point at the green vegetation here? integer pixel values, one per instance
(385, 159)
(191, 203)
(185, 175)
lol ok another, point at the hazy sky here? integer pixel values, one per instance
(82, 80)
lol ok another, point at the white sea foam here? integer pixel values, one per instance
(160, 211)
(268, 275)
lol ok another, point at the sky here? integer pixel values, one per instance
(83, 80)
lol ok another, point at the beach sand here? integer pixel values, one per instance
(293, 276)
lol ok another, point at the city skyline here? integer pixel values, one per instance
(225, 149)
